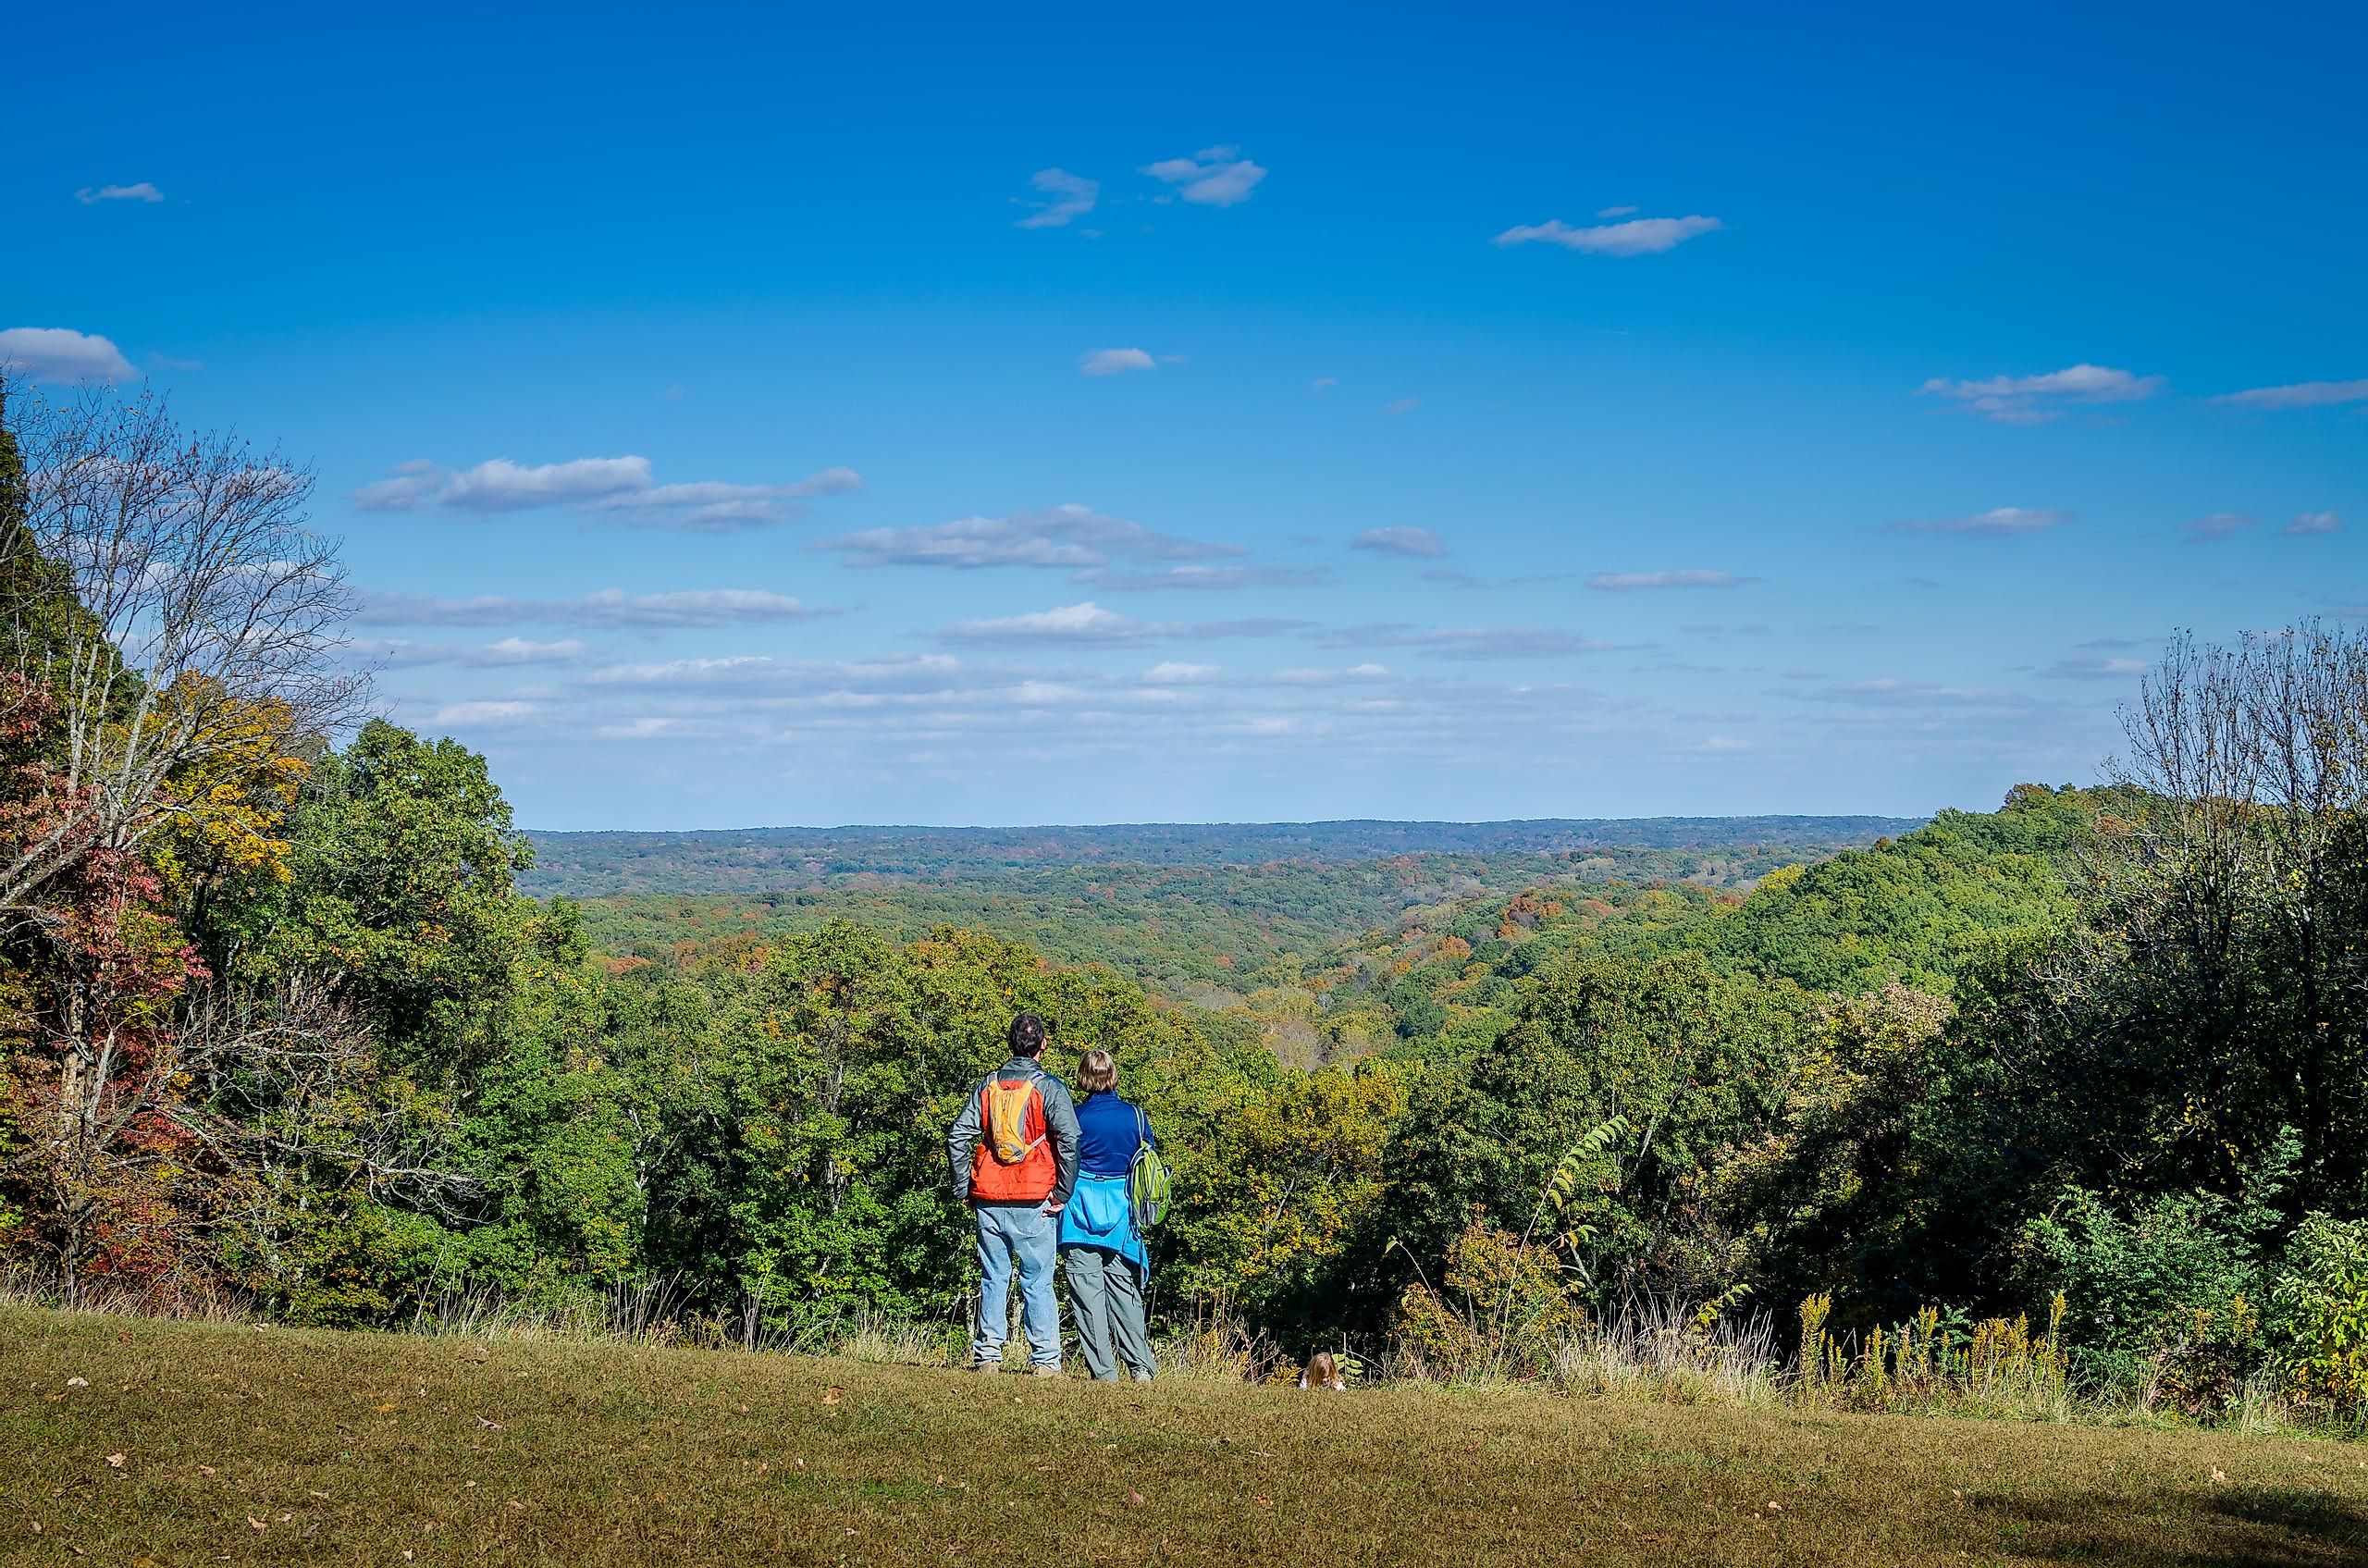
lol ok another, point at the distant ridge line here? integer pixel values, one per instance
(1905, 825)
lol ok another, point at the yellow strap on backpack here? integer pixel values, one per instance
(1008, 1102)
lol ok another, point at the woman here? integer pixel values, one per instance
(1101, 1246)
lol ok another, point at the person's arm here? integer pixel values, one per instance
(1060, 1116)
(960, 1141)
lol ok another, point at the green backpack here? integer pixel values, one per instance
(1149, 1181)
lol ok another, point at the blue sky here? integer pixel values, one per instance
(1330, 412)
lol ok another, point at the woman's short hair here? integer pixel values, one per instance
(1097, 1072)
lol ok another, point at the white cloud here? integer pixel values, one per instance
(1323, 381)
(1067, 535)
(1627, 582)
(2028, 399)
(1637, 237)
(508, 652)
(519, 651)
(711, 506)
(1199, 577)
(617, 488)
(1085, 625)
(2094, 667)
(1172, 672)
(832, 481)
(1214, 177)
(500, 484)
(960, 716)
(1403, 405)
(1998, 523)
(1888, 693)
(2219, 525)
(482, 715)
(1114, 362)
(144, 192)
(908, 671)
(1071, 196)
(2300, 394)
(59, 354)
(1464, 642)
(609, 609)
(1420, 542)
(1613, 212)
(1090, 625)
(416, 483)
(647, 727)
(2313, 523)
(1253, 626)
(1355, 675)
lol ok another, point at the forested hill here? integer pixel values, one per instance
(605, 864)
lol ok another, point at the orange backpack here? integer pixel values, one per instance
(1012, 1161)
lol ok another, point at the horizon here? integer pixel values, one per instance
(1082, 421)
(1275, 823)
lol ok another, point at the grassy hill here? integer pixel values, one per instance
(223, 1443)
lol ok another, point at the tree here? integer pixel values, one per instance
(2239, 881)
(170, 631)
(399, 891)
(1689, 1065)
(162, 586)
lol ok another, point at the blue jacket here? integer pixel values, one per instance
(1101, 1210)
(1109, 1131)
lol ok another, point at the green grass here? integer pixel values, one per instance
(241, 1444)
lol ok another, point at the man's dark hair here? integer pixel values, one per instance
(1027, 1035)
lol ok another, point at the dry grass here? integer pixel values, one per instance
(1657, 1352)
(241, 1444)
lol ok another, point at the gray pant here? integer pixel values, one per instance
(1106, 1299)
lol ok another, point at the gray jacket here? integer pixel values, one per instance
(1060, 1123)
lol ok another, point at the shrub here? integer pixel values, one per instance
(2320, 1303)
(1507, 1310)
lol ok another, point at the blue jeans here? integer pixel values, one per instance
(1021, 1234)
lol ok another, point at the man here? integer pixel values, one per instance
(1013, 1151)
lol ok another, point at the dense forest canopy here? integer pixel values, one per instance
(1190, 930)
(279, 1015)
(595, 865)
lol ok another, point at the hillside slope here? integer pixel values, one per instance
(231, 1444)
(1914, 910)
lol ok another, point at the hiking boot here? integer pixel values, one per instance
(1041, 1371)
(986, 1366)
(1142, 1376)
